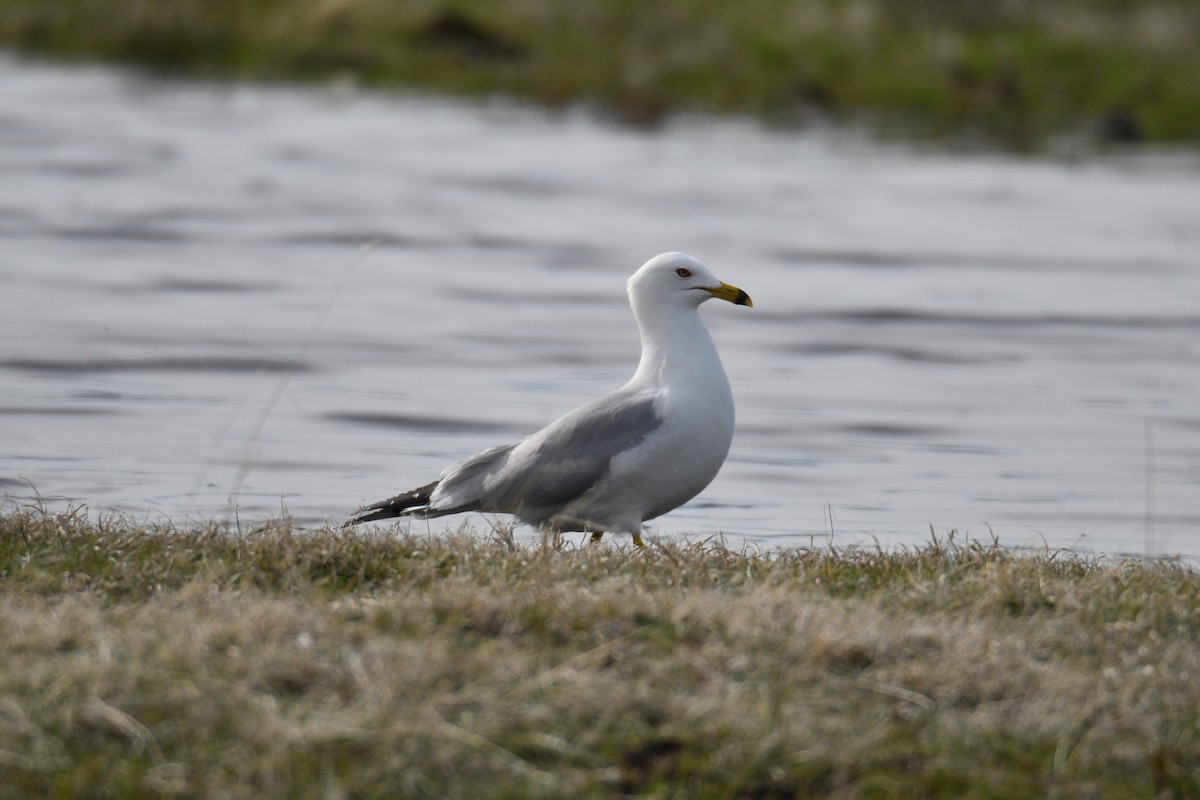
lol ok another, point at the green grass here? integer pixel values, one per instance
(1013, 73)
(147, 661)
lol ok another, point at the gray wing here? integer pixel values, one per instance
(569, 457)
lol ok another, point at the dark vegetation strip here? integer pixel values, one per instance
(1015, 73)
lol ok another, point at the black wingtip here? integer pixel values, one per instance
(369, 514)
(402, 504)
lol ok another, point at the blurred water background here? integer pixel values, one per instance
(233, 302)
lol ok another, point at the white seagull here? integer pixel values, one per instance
(628, 457)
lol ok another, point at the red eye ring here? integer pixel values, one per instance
(683, 272)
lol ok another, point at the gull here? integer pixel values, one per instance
(630, 456)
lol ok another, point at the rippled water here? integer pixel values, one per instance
(267, 298)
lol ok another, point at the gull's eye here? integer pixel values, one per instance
(683, 272)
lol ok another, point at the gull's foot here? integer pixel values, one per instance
(596, 537)
(637, 541)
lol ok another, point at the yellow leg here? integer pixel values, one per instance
(637, 539)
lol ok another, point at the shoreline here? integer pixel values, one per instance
(276, 662)
(1016, 78)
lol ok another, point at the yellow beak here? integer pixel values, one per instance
(733, 294)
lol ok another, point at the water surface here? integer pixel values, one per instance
(233, 302)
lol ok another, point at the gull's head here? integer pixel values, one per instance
(676, 279)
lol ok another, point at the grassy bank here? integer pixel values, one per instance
(150, 662)
(1015, 72)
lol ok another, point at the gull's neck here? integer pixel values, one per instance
(676, 348)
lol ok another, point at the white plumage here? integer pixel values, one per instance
(627, 457)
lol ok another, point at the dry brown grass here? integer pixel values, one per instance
(146, 661)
